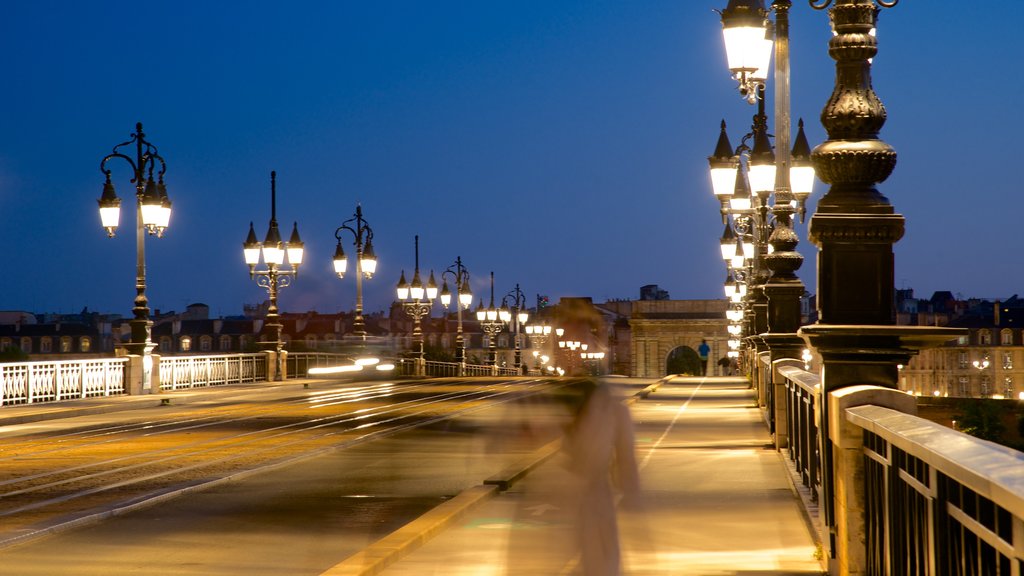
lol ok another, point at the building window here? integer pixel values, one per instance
(186, 343)
(244, 342)
(963, 359)
(1006, 337)
(5, 343)
(45, 345)
(984, 337)
(85, 344)
(65, 344)
(963, 340)
(205, 343)
(311, 342)
(1008, 387)
(984, 386)
(224, 345)
(165, 343)
(962, 381)
(1007, 361)
(26, 345)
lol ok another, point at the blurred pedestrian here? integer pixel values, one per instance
(600, 447)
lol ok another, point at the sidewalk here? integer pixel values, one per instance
(717, 501)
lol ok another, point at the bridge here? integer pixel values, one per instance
(865, 488)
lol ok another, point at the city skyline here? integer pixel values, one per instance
(562, 147)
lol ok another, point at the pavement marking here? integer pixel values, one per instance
(679, 412)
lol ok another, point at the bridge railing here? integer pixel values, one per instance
(297, 364)
(803, 448)
(182, 372)
(31, 382)
(912, 496)
(433, 368)
(938, 501)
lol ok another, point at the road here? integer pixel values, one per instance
(283, 481)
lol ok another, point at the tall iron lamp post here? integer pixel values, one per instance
(460, 278)
(491, 322)
(416, 300)
(515, 315)
(152, 215)
(282, 261)
(366, 262)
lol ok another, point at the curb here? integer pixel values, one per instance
(384, 552)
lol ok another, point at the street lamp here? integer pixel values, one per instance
(492, 321)
(152, 215)
(276, 275)
(460, 277)
(416, 301)
(366, 262)
(538, 334)
(517, 316)
(982, 365)
(781, 179)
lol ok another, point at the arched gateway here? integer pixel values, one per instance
(659, 327)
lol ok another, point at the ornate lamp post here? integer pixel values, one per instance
(152, 215)
(783, 176)
(460, 277)
(416, 301)
(492, 321)
(366, 261)
(538, 334)
(516, 315)
(277, 273)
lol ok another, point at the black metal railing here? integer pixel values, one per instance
(938, 501)
(802, 390)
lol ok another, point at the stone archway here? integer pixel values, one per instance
(683, 360)
(659, 327)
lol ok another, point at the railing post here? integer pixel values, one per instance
(135, 370)
(156, 382)
(781, 402)
(271, 365)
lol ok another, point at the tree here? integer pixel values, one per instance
(13, 354)
(981, 419)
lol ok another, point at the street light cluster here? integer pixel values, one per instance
(276, 274)
(281, 261)
(759, 186)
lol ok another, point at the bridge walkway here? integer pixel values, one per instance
(716, 500)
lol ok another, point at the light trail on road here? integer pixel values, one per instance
(191, 447)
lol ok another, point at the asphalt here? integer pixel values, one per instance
(716, 498)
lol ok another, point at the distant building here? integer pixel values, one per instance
(652, 292)
(54, 336)
(987, 362)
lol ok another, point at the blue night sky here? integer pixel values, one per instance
(560, 144)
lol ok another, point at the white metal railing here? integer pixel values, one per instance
(407, 367)
(181, 372)
(299, 363)
(30, 382)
